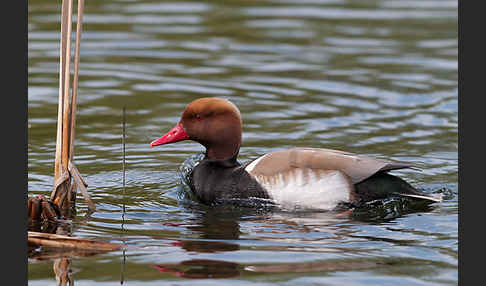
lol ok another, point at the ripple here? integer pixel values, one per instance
(350, 14)
(183, 87)
(170, 7)
(435, 63)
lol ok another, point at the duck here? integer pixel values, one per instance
(293, 178)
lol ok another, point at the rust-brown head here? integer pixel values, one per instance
(213, 122)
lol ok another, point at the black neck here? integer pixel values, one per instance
(231, 162)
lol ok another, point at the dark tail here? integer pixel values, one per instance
(382, 185)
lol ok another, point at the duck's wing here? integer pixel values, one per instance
(356, 167)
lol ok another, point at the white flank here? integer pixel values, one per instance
(304, 189)
(252, 165)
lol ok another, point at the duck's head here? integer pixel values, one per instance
(213, 122)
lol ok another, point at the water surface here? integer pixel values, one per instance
(372, 77)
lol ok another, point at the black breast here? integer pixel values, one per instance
(216, 182)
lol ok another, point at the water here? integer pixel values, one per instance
(371, 77)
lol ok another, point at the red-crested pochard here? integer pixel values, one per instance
(293, 178)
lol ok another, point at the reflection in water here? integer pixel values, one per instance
(209, 269)
(213, 225)
(206, 246)
(201, 268)
(60, 256)
(218, 223)
(63, 270)
(47, 254)
(223, 223)
(318, 266)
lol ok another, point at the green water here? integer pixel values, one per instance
(371, 77)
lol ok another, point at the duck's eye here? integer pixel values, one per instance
(198, 116)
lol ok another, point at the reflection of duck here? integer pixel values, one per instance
(201, 268)
(206, 246)
(218, 223)
(214, 226)
(209, 269)
(300, 177)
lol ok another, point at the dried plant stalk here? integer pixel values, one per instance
(82, 185)
(62, 57)
(64, 193)
(61, 188)
(79, 28)
(67, 71)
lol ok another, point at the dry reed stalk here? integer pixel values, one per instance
(64, 194)
(62, 56)
(64, 204)
(55, 253)
(67, 71)
(74, 103)
(82, 185)
(61, 176)
(79, 28)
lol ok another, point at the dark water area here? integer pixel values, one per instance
(371, 77)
